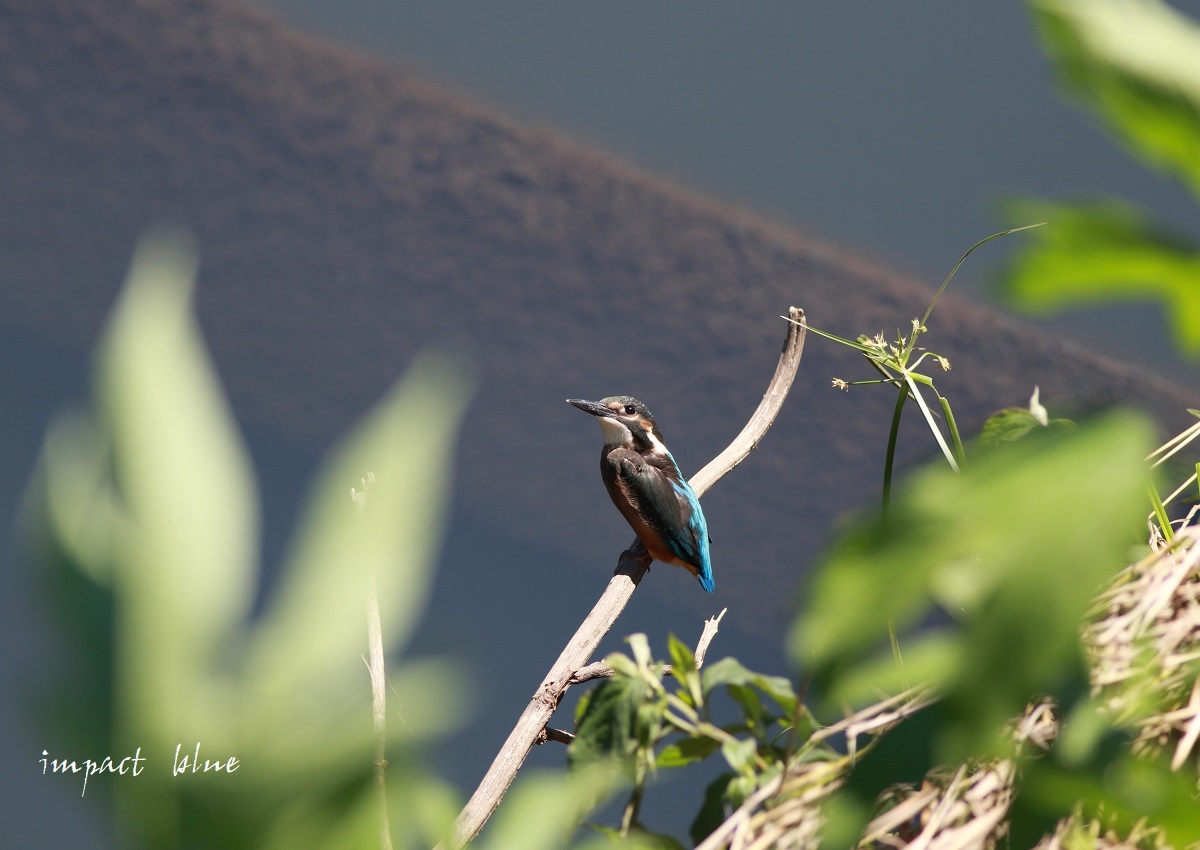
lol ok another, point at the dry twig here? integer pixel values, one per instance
(600, 670)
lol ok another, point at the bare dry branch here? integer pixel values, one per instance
(632, 567)
(600, 670)
(558, 735)
(710, 631)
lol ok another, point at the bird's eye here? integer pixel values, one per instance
(630, 410)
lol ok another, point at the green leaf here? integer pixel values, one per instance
(77, 497)
(683, 668)
(1007, 426)
(622, 664)
(729, 671)
(803, 724)
(658, 841)
(1117, 789)
(582, 705)
(637, 839)
(608, 728)
(712, 810)
(687, 751)
(740, 787)
(1093, 254)
(1137, 64)
(71, 516)
(682, 657)
(640, 646)
(421, 811)
(542, 810)
(649, 725)
(740, 755)
(844, 820)
(931, 658)
(187, 553)
(642, 839)
(1013, 423)
(747, 699)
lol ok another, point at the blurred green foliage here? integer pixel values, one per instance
(543, 810)
(637, 723)
(987, 574)
(1014, 423)
(143, 522)
(1136, 64)
(1004, 556)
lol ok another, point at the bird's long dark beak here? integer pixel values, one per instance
(591, 407)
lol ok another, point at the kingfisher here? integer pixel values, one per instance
(647, 487)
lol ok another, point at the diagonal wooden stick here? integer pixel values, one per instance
(629, 573)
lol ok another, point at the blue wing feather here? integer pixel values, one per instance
(672, 510)
(693, 545)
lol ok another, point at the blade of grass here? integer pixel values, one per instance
(963, 259)
(890, 459)
(955, 437)
(937, 432)
(1160, 513)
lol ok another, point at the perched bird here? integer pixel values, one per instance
(646, 486)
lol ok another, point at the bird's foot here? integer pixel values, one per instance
(642, 557)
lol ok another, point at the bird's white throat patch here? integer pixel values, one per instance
(615, 432)
(659, 448)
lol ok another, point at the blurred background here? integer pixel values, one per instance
(579, 200)
(894, 130)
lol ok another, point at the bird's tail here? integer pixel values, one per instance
(706, 581)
